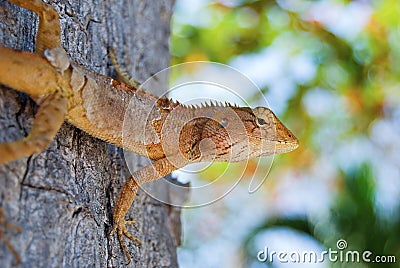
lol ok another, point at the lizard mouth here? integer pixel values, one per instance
(285, 140)
(287, 145)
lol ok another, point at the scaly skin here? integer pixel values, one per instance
(171, 134)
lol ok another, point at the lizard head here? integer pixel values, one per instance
(271, 132)
(240, 133)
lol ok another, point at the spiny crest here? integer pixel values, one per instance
(209, 105)
(167, 103)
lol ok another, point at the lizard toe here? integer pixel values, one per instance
(121, 230)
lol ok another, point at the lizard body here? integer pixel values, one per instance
(169, 133)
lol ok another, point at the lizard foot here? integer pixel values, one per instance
(4, 225)
(121, 230)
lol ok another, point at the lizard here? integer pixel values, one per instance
(170, 134)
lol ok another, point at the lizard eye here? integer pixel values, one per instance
(260, 121)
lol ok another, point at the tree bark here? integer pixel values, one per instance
(63, 197)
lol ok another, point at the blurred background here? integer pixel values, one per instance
(330, 70)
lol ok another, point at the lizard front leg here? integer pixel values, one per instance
(154, 171)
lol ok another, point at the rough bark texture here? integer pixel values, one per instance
(63, 197)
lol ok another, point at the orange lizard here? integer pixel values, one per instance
(170, 134)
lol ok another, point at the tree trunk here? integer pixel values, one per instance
(63, 197)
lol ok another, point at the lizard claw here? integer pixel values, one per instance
(121, 230)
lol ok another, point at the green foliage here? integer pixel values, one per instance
(353, 216)
(362, 70)
(337, 114)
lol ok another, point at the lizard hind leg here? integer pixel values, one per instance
(48, 121)
(48, 35)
